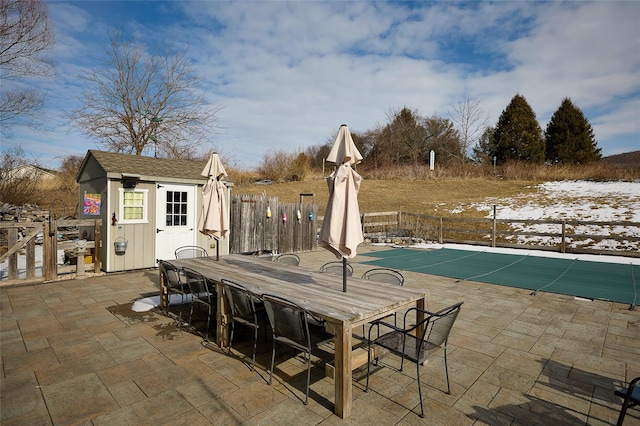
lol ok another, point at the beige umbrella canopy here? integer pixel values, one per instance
(214, 220)
(341, 231)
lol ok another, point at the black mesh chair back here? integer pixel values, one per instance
(404, 341)
(336, 267)
(202, 296)
(384, 275)
(245, 309)
(187, 252)
(176, 289)
(288, 259)
(291, 326)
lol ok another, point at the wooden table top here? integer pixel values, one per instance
(320, 293)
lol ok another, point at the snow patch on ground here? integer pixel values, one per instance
(574, 201)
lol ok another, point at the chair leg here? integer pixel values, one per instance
(419, 389)
(366, 388)
(233, 326)
(273, 359)
(255, 345)
(206, 333)
(308, 355)
(179, 322)
(446, 369)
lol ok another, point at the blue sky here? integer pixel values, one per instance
(287, 74)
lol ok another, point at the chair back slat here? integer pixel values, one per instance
(288, 259)
(384, 275)
(337, 268)
(187, 252)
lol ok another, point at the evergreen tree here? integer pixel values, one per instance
(518, 135)
(569, 137)
(485, 150)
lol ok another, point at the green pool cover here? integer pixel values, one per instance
(616, 282)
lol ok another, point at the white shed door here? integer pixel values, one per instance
(175, 219)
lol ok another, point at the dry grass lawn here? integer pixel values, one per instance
(432, 196)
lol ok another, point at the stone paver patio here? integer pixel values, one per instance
(73, 352)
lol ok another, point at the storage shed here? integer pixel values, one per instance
(149, 207)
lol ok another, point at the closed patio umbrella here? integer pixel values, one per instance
(341, 231)
(213, 220)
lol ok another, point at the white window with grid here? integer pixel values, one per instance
(134, 205)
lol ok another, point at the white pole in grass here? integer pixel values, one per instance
(432, 161)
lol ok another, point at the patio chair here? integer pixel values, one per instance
(246, 309)
(335, 267)
(291, 326)
(405, 343)
(631, 396)
(385, 276)
(201, 294)
(176, 289)
(288, 259)
(186, 252)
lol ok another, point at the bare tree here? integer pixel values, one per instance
(138, 101)
(25, 38)
(471, 121)
(19, 176)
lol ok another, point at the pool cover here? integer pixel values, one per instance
(616, 282)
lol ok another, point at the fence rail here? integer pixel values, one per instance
(36, 233)
(565, 236)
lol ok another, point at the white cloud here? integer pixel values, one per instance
(287, 74)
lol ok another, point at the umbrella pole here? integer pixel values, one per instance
(217, 249)
(344, 274)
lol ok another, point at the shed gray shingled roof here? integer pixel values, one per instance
(149, 168)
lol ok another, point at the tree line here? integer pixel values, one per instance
(408, 138)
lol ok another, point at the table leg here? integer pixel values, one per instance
(221, 316)
(342, 376)
(164, 296)
(420, 304)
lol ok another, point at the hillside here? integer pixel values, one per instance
(626, 159)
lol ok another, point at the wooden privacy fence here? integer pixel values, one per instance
(575, 236)
(85, 253)
(258, 225)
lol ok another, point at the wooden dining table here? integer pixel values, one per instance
(320, 293)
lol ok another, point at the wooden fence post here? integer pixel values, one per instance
(30, 252)
(12, 261)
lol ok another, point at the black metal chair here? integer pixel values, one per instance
(176, 288)
(291, 326)
(417, 348)
(246, 309)
(201, 294)
(288, 259)
(384, 275)
(631, 398)
(336, 267)
(186, 252)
